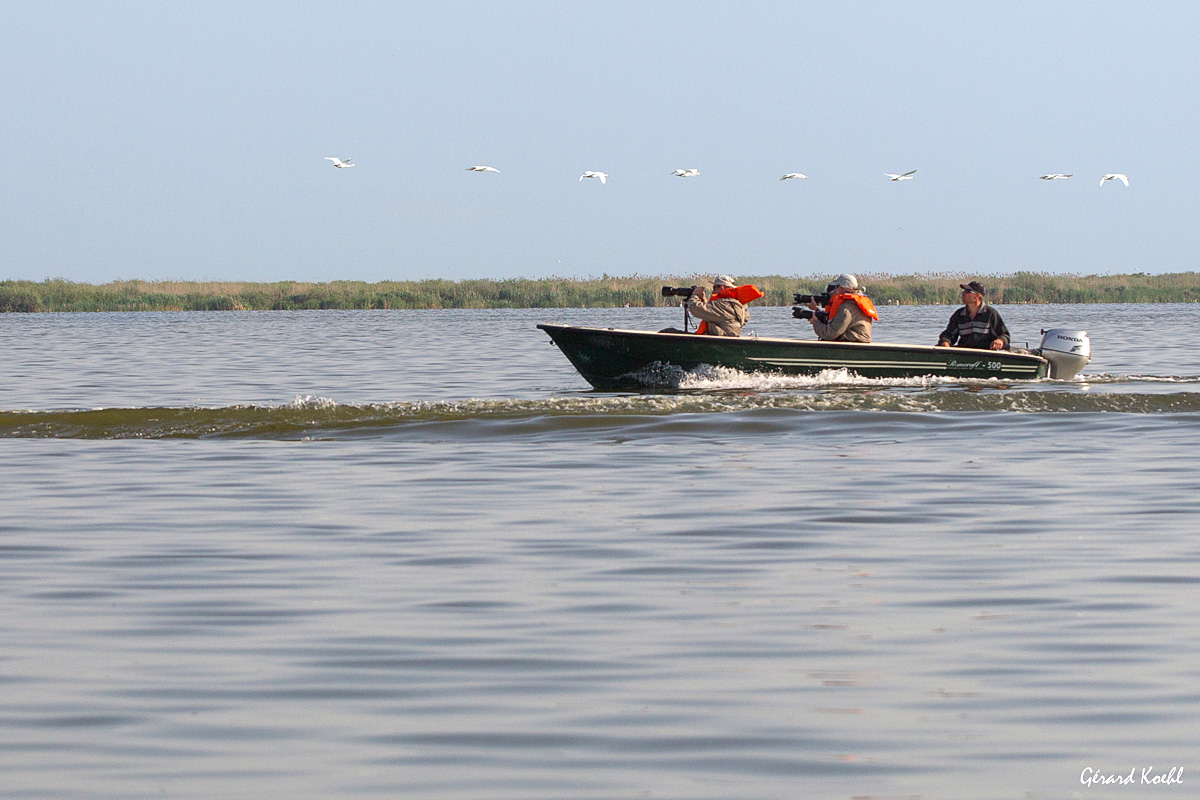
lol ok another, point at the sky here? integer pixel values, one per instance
(164, 141)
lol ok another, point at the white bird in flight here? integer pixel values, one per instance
(686, 173)
(908, 176)
(339, 163)
(792, 175)
(1054, 176)
(1114, 176)
(481, 168)
(590, 174)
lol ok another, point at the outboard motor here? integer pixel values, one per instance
(1067, 351)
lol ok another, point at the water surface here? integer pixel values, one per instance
(413, 554)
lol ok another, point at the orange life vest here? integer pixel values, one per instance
(862, 300)
(743, 294)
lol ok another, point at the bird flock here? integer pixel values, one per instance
(1112, 176)
(342, 163)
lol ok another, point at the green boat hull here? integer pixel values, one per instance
(618, 359)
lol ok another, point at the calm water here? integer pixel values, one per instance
(412, 554)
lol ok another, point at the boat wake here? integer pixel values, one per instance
(1102, 378)
(760, 402)
(664, 377)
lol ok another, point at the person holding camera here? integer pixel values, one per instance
(976, 324)
(848, 315)
(725, 312)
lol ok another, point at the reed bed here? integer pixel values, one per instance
(605, 291)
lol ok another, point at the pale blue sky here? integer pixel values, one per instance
(146, 140)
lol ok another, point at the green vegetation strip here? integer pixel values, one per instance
(638, 290)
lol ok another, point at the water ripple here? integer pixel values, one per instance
(665, 415)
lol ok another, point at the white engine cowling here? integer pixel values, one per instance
(1067, 351)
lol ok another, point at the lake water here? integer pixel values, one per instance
(412, 554)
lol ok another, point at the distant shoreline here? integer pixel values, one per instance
(57, 295)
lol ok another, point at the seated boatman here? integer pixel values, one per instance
(849, 313)
(725, 312)
(976, 324)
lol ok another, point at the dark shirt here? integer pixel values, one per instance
(979, 333)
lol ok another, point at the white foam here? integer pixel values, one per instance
(707, 378)
(308, 402)
(1105, 378)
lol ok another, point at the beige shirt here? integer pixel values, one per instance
(725, 316)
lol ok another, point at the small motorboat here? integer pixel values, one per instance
(610, 358)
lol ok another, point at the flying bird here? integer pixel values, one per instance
(686, 173)
(340, 163)
(792, 175)
(590, 174)
(1054, 176)
(1114, 176)
(481, 168)
(908, 176)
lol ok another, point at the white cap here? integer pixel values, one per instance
(724, 280)
(847, 281)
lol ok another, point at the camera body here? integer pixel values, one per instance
(808, 313)
(678, 291)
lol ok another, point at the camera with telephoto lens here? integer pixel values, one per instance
(821, 299)
(678, 291)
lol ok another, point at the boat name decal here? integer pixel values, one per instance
(953, 364)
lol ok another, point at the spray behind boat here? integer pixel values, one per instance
(1068, 351)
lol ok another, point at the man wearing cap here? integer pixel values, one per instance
(976, 324)
(848, 315)
(725, 312)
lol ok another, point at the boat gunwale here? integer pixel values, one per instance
(816, 343)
